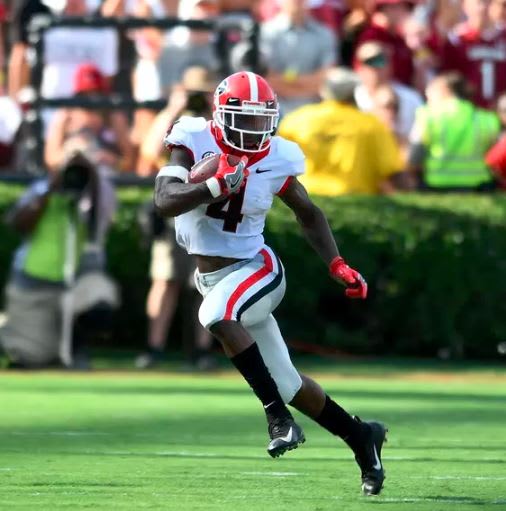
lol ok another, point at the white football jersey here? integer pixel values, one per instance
(233, 228)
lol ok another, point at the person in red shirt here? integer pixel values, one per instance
(497, 12)
(496, 156)
(386, 27)
(477, 49)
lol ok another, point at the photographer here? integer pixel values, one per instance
(193, 97)
(56, 278)
(171, 269)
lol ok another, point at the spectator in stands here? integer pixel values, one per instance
(171, 268)
(120, 8)
(328, 12)
(10, 121)
(3, 53)
(372, 64)
(477, 50)
(496, 156)
(62, 218)
(347, 151)
(386, 108)
(386, 27)
(163, 57)
(298, 51)
(103, 134)
(193, 96)
(23, 13)
(184, 48)
(498, 12)
(424, 47)
(451, 137)
(354, 22)
(67, 48)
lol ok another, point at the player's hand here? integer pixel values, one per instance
(231, 177)
(356, 286)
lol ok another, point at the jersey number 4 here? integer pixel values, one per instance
(232, 215)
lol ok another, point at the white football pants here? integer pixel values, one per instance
(248, 291)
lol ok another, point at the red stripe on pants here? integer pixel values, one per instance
(250, 281)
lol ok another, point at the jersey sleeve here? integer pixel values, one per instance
(293, 164)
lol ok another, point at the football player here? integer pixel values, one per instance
(221, 221)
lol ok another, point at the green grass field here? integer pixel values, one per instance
(125, 440)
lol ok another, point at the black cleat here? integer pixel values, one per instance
(369, 458)
(285, 435)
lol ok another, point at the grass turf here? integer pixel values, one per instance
(176, 442)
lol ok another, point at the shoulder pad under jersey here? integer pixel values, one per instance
(289, 150)
(180, 133)
(192, 124)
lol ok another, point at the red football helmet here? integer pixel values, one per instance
(246, 112)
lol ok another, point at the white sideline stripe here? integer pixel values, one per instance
(253, 86)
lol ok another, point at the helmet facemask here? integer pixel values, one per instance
(247, 126)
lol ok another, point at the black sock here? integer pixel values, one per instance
(253, 369)
(339, 422)
(157, 353)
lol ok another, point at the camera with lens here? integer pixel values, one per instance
(76, 175)
(198, 102)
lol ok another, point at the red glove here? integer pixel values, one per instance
(356, 286)
(228, 178)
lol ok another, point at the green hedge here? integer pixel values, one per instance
(436, 267)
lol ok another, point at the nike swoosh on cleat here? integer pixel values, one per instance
(288, 437)
(267, 406)
(377, 465)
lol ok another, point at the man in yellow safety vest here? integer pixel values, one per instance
(451, 137)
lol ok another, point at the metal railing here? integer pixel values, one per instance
(34, 140)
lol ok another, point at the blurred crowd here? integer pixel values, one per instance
(419, 65)
(382, 96)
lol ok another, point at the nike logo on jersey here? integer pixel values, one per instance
(267, 406)
(377, 465)
(261, 171)
(288, 437)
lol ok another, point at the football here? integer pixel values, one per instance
(207, 167)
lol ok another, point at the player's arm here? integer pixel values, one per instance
(172, 195)
(317, 232)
